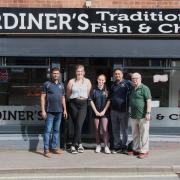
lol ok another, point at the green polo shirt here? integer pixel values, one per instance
(138, 101)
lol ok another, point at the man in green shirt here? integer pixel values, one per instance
(140, 102)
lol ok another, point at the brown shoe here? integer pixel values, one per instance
(47, 154)
(130, 153)
(135, 153)
(142, 155)
(56, 151)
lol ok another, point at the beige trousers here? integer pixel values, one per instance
(140, 135)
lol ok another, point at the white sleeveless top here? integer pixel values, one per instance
(79, 91)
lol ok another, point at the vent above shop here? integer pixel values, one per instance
(87, 3)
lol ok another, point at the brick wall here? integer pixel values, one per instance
(95, 3)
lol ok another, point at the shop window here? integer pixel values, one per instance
(24, 82)
(137, 62)
(159, 90)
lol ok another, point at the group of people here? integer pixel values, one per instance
(107, 104)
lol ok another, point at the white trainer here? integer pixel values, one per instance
(107, 150)
(98, 148)
(80, 148)
(73, 150)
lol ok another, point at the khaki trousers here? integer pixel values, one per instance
(140, 135)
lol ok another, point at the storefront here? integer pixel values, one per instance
(34, 40)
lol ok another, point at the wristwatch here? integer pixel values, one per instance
(148, 113)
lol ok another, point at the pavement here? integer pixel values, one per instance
(164, 157)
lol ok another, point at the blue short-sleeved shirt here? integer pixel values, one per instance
(54, 93)
(100, 98)
(119, 95)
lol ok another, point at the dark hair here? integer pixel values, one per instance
(55, 69)
(117, 69)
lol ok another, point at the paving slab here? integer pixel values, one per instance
(159, 160)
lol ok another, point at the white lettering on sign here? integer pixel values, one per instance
(169, 28)
(90, 21)
(113, 29)
(64, 21)
(22, 19)
(10, 17)
(83, 23)
(34, 21)
(51, 21)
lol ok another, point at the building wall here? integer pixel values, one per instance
(95, 3)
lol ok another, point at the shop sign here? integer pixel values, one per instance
(20, 115)
(93, 22)
(165, 117)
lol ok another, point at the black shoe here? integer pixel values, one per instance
(116, 150)
(124, 150)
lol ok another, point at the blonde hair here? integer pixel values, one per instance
(79, 66)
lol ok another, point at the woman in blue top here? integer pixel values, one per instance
(100, 103)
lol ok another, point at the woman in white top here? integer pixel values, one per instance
(78, 90)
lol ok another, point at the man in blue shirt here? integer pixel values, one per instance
(119, 97)
(53, 105)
